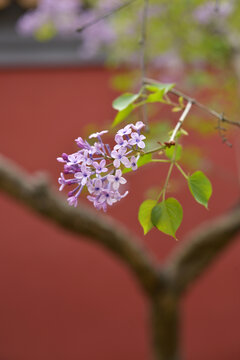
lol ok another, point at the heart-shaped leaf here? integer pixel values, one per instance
(144, 215)
(167, 216)
(124, 100)
(200, 187)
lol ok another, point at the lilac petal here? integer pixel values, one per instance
(132, 142)
(102, 199)
(115, 185)
(126, 162)
(122, 180)
(111, 178)
(102, 163)
(95, 135)
(114, 154)
(118, 173)
(84, 181)
(72, 201)
(138, 126)
(135, 135)
(116, 163)
(122, 151)
(118, 139)
(141, 145)
(78, 175)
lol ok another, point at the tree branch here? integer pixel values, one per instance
(105, 15)
(199, 251)
(35, 193)
(180, 121)
(176, 92)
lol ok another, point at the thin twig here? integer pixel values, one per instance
(143, 44)
(180, 121)
(196, 103)
(221, 133)
(105, 15)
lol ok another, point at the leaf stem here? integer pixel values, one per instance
(162, 147)
(167, 179)
(181, 171)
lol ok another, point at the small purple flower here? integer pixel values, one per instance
(133, 162)
(85, 158)
(120, 142)
(83, 175)
(107, 197)
(95, 187)
(116, 179)
(97, 134)
(82, 144)
(100, 167)
(63, 158)
(74, 158)
(137, 140)
(97, 148)
(72, 201)
(97, 204)
(125, 131)
(62, 181)
(120, 157)
(211, 10)
(138, 126)
(118, 196)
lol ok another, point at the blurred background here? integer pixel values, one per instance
(62, 298)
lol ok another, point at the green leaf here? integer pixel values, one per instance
(176, 109)
(143, 160)
(160, 86)
(123, 101)
(200, 187)
(121, 115)
(155, 97)
(167, 216)
(181, 101)
(144, 215)
(174, 150)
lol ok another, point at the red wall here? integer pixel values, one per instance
(63, 299)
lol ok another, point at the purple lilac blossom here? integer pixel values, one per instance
(65, 17)
(120, 142)
(211, 10)
(116, 179)
(101, 173)
(137, 139)
(120, 157)
(133, 162)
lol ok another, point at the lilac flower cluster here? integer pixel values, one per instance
(64, 17)
(211, 10)
(99, 168)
